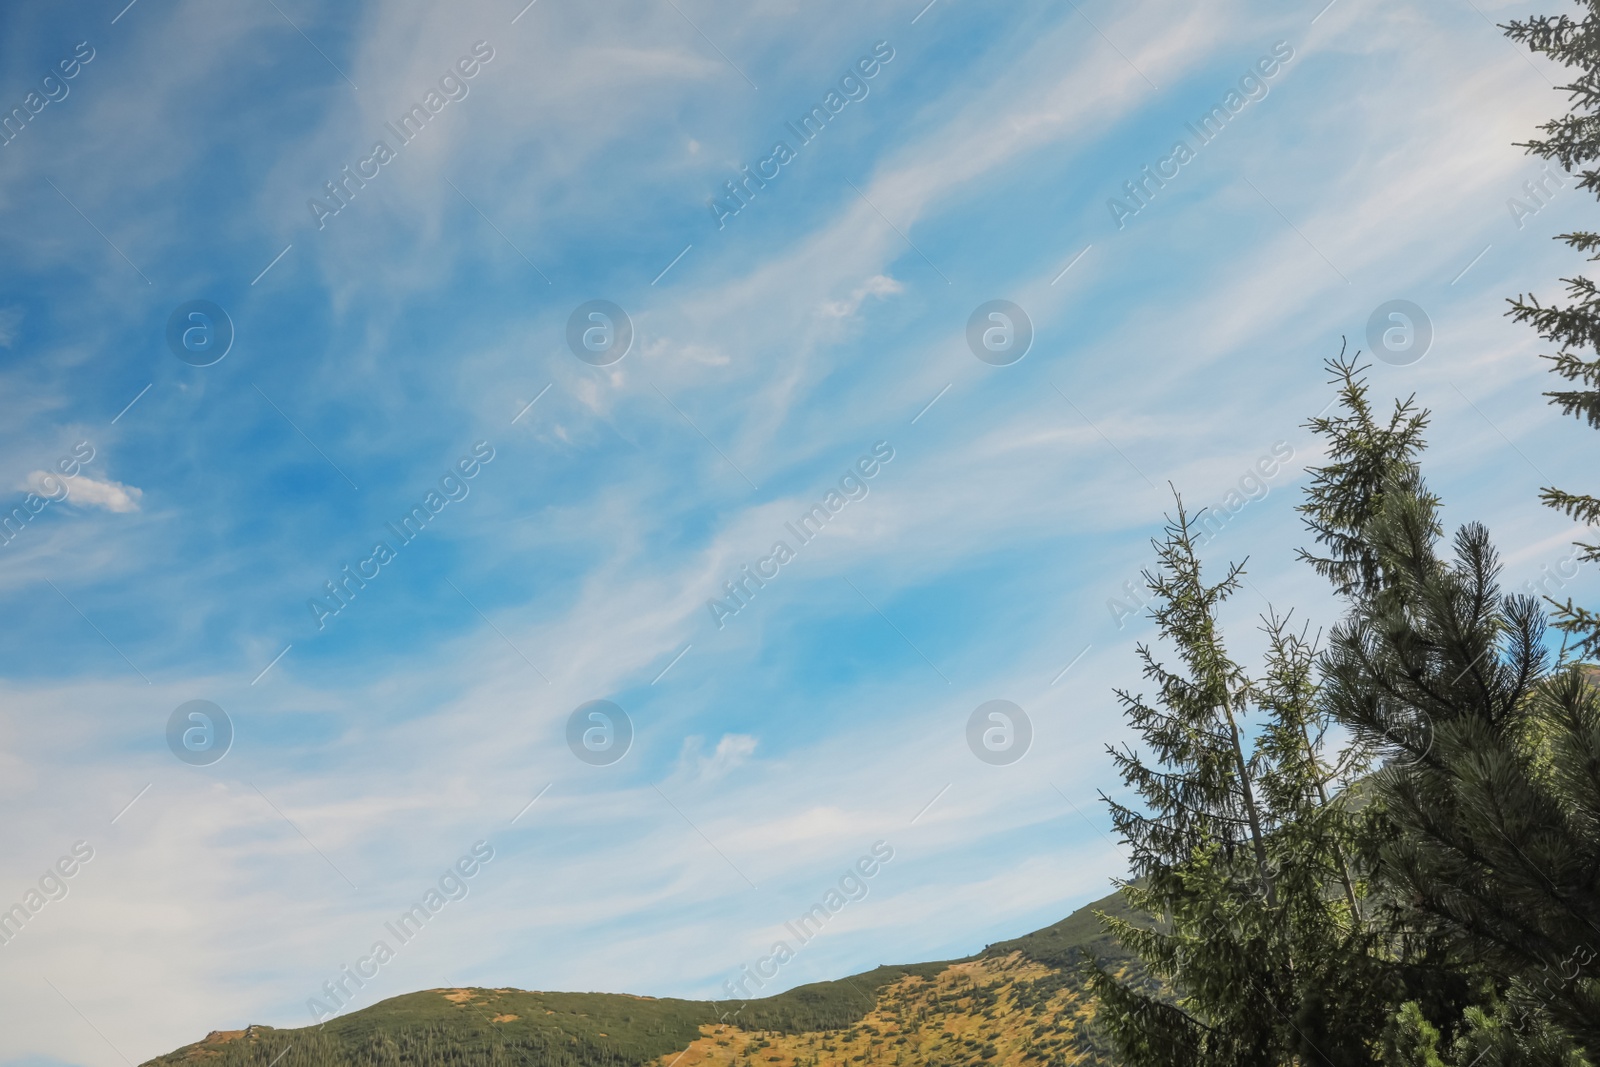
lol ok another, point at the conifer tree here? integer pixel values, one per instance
(1483, 841)
(1364, 455)
(1492, 785)
(1573, 141)
(1234, 850)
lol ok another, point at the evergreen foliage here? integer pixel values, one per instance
(1431, 898)
(1573, 141)
(1491, 783)
(1365, 455)
(1235, 849)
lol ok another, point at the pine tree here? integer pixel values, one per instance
(1491, 788)
(1481, 846)
(1369, 458)
(1573, 141)
(1234, 852)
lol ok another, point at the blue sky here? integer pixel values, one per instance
(374, 351)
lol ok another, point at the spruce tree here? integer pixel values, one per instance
(1365, 454)
(1289, 932)
(1234, 850)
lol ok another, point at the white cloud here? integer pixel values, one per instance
(10, 319)
(879, 285)
(732, 751)
(87, 492)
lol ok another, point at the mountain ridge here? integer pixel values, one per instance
(1020, 1002)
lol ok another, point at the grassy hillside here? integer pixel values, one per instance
(1018, 1003)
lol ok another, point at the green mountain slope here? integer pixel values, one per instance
(1018, 1003)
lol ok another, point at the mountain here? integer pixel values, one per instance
(1018, 1003)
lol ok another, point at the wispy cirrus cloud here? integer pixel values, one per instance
(579, 567)
(85, 491)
